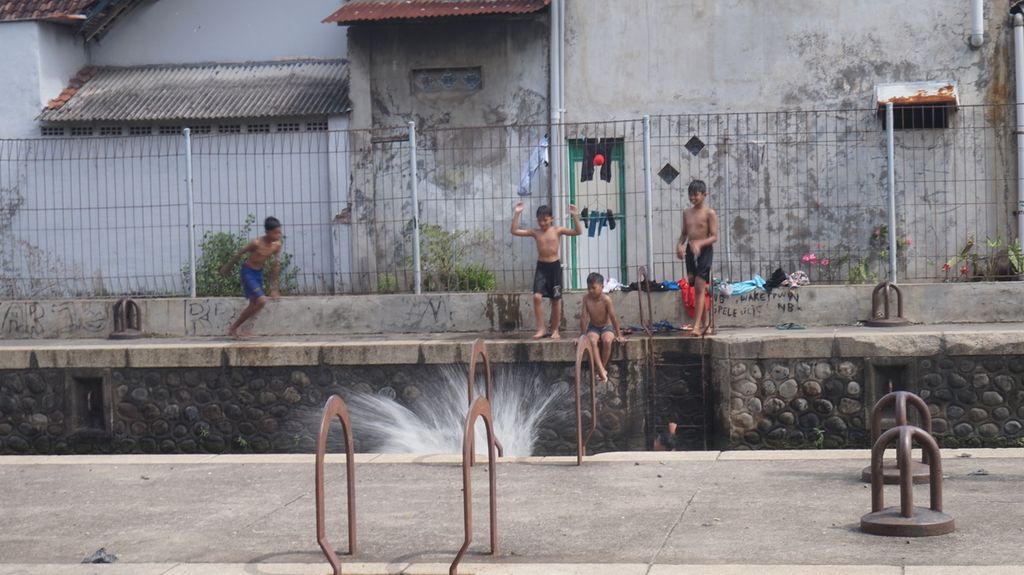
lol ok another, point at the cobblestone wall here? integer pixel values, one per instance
(263, 409)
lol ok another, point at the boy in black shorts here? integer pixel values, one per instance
(547, 280)
(695, 245)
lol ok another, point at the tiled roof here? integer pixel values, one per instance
(203, 91)
(361, 11)
(13, 10)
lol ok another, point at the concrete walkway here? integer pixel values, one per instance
(706, 513)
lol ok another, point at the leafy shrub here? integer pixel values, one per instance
(216, 249)
(387, 283)
(444, 255)
(475, 277)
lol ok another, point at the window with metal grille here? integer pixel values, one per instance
(140, 130)
(316, 126)
(200, 130)
(110, 130)
(170, 130)
(229, 129)
(917, 117)
(258, 128)
(288, 127)
(52, 131)
(81, 130)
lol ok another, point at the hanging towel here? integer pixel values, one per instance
(538, 156)
(689, 296)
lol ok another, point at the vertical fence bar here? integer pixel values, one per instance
(891, 152)
(191, 213)
(648, 197)
(417, 275)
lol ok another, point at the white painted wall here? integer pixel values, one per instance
(19, 71)
(181, 31)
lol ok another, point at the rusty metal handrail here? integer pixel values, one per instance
(479, 351)
(335, 407)
(899, 400)
(480, 408)
(585, 347)
(641, 279)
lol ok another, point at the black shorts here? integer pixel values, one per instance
(547, 280)
(701, 267)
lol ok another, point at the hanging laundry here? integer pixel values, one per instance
(592, 228)
(584, 215)
(592, 147)
(538, 156)
(740, 288)
(611, 219)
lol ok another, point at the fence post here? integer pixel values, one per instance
(891, 149)
(648, 197)
(191, 214)
(417, 274)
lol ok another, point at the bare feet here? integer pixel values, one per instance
(540, 333)
(602, 373)
(555, 335)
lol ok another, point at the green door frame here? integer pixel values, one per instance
(618, 155)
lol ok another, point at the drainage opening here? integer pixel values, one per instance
(88, 409)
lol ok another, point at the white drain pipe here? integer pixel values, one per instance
(1018, 57)
(977, 23)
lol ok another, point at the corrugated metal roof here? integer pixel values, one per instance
(65, 10)
(917, 94)
(361, 11)
(204, 92)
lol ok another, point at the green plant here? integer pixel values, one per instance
(1016, 256)
(387, 283)
(861, 272)
(444, 255)
(216, 249)
(819, 436)
(242, 443)
(1002, 261)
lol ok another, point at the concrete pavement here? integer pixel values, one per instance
(706, 513)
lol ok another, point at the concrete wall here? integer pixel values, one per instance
(20, 104)
(704, 56)
(496, 313)
(467, 179)
(223, 31)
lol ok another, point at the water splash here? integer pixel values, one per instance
(522, 400)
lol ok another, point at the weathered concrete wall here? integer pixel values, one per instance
(223, 31)
(467, 178)
(489, 313)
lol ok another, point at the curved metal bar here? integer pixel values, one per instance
(481, 408)
(899, 400)
(585, 347)
(335, 407)
(904, 435)
(479, 352)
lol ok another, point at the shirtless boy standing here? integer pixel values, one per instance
(259, 250)
(599, 321)
(547, 280)
(695, 245)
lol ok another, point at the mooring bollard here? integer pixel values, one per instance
(585, 347)
(479, 353)
(883, 317)
(481, 408)
(906, 520)
(335, 407)
(899, 400)
(127, 320)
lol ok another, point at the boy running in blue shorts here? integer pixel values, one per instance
(260, 250)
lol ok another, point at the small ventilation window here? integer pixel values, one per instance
(668, 173)
(229, 129)
(258, 128)
(918, 117)
(289, 127)
(316, 126)
(110, 130)
(79, 131)
(694, 145)
(140, 130)
(441, 80)
(52, 131)
(200, 130)
(89, 407)
(170, 130)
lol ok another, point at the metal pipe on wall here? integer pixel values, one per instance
(1018, 56)
(191, 213)
(417, 272)
(977, 23)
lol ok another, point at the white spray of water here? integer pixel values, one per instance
(522, 399)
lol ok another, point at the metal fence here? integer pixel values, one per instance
(800, 190)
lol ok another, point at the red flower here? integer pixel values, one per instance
(946, 267)
(963, 270)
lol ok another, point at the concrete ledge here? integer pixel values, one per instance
(498, 312)
(96, 356)
(169, 355)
